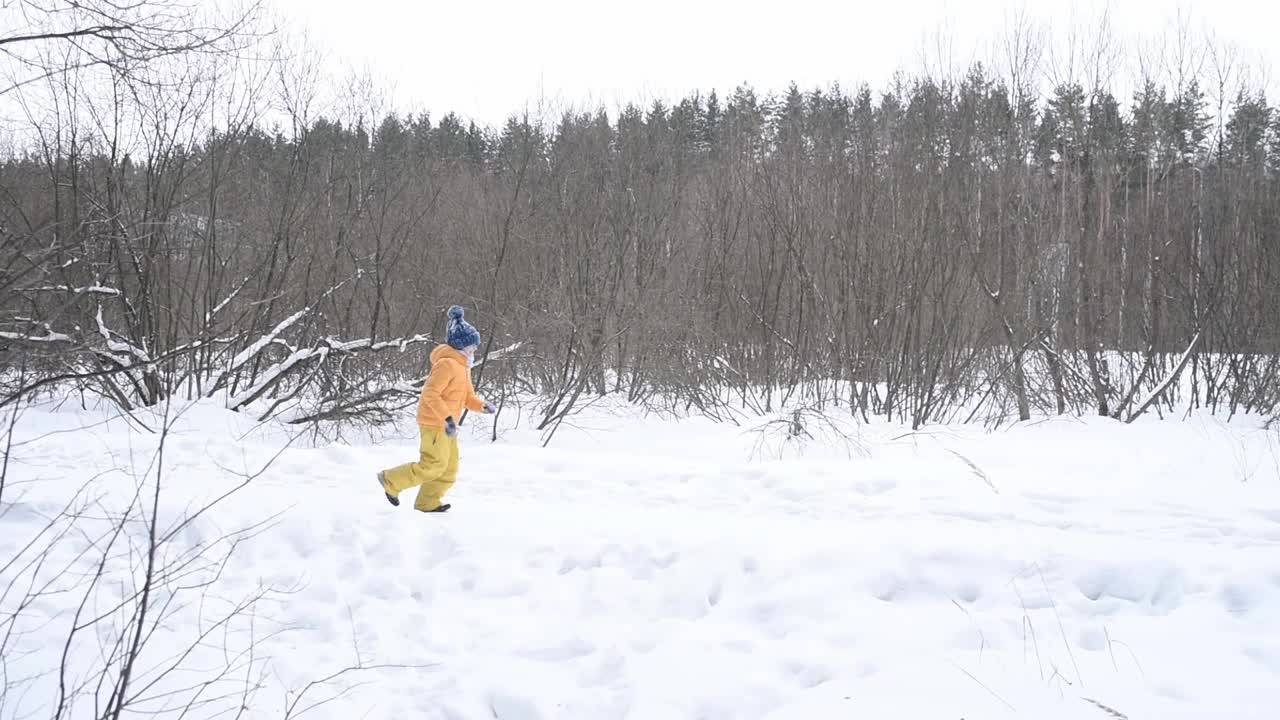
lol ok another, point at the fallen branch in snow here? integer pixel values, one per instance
(1147, 365)
(369, 408)
(274, 374)
(1168, 382)
(272, 336)
(101, 346)
(134, 362)
(976, 470)
(1108, 710)
(116, 345)
(250, 352)
(81, 355)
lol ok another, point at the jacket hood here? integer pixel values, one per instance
(444, 352)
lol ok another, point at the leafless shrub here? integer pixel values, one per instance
(803, 426)
(985, 246)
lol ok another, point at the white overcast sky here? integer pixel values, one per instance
(489, 58)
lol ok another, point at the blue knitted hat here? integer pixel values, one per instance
(460, 332)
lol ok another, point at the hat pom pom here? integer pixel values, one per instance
(455, 312)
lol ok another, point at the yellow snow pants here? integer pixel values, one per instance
(433, 474)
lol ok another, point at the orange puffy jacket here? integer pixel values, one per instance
(448, 389)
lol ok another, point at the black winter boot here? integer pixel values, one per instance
(390, 498)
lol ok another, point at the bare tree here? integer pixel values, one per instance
(974, 246)
(125, 36)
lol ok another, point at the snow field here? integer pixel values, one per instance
(663, 569)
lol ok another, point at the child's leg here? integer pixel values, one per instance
(432, 490)
(433, 461)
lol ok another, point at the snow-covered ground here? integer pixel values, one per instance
(643, 567)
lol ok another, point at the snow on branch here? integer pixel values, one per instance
(765, 323)
(273, 374)
(256, 347)
(90, 290)
(318, 353)
(1168, 382)
(248, 353)
(48, 337)
(119, 346)
(499, 354)
(368, 344)
(272, 337)
(226, 301)
(415, 387)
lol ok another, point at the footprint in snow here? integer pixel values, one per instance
(809, 676)
(413, 624)
(765, 613)
(715, 593)
(1272, 515)
(1237, 599)
(352, 567)
(1161, 589)
(887, 588)
(190, 447)
(843, 640)
(1092, 639)
(1265, 657)
(1168, 592)
(502, 588)
(606, 670)
(879, 486)
(1111, 582)
(644, 644)
(383, 588)
(452, 713)
(1054, 504)
(564, 652)
(509, 707)
(667, 560)
(338, 455)
(570, 563)
(539, 557)
(967, 592)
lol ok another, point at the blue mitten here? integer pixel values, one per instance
(489, 409)
(450, 427)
